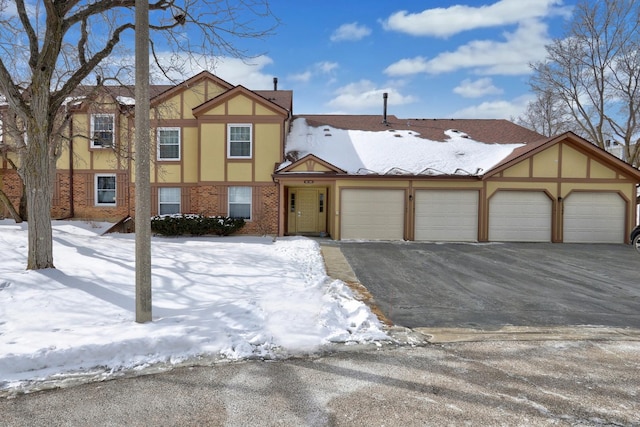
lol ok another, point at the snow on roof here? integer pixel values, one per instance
(126, 100)
(395, 152)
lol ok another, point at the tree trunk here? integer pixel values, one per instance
(38, 180)
(14, 214)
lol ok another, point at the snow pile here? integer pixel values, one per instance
(218, 298)
(395, 151)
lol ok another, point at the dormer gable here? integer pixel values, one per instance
(223, 104)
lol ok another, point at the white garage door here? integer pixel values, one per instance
(520, 216)
(372, 214)
(446, 216)
(594, 218)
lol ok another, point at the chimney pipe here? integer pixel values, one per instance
(384, 114)
(275, 83)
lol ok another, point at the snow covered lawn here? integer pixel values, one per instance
(213, 298)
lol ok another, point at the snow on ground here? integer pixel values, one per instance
(382, 152)
(216, 298)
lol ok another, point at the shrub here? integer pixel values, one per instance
(195, 225)
(224, 225)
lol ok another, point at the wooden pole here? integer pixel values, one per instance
(142, 168)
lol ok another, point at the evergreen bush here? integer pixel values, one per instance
(195, 225)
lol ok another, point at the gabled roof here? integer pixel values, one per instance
(495, 131)
(185, 85)
(365, 145)
(213, 102)
(531, 149)
(283, 98)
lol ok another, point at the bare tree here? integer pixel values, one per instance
(546, 115)
(49, 47)
(594, 70)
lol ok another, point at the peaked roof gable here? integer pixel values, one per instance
(309, 159)
(187, 84)
(530, 149)
(239, 90)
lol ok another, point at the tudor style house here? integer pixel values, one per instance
(215, 149)
(226, 150)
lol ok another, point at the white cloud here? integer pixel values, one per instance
(477, 88)
(301, 77)
(445, 22)
(495, 110)
(249, 75)
(350, 32)
(406, 67)
(248, 72)
(322, 68)
(326, 67)
(510, 57)
(366, 96)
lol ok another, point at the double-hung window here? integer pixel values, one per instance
(169, 201)
(239, 141)
(168, 143)
(102, 126)
(105, 189)
(240, 202)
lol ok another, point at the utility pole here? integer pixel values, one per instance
(142, 169)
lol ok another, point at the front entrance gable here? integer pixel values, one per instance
(311, 164)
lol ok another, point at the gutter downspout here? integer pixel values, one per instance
(71, 171)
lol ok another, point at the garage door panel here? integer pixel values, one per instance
(520, 216)
(372, 214)
(594, 217)
(446, 216)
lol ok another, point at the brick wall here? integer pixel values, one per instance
(11, 184)
(213, 200)
(207, 199)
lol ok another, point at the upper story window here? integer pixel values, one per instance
(168, 143)
(105, 189)
(102, 126)
(239, 141)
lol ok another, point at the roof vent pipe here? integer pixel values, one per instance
(384, 112)
(275, 83)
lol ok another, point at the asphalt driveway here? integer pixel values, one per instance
(498, 284)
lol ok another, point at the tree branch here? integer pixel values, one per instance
(31, 34)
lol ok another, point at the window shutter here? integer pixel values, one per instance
(122, 183)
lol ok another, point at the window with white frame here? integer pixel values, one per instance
(168, 143)
(169, 201)
(106, 189)
(240, 202)
(239, 141)
(102, 126)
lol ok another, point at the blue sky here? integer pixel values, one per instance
(436, 59)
